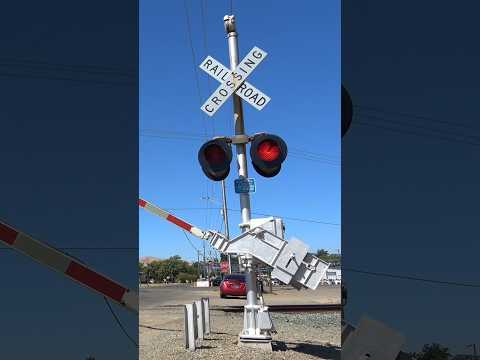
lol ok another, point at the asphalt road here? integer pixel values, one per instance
(178, 294)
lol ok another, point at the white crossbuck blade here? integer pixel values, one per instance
(246, 91)
(68, 266)
(233, 81)
(291, 262)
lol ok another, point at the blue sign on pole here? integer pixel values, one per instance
(243, 186)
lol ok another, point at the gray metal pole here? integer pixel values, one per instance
(251, 277)
(198, 262)
(225, 221)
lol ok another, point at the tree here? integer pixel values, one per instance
(324, 255)
(171, 268)
(432, 352)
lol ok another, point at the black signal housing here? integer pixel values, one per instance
(268, 152)
(215, 157)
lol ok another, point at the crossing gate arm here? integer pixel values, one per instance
(202, 234)
(68, 266)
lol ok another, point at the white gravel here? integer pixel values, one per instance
(300, 336)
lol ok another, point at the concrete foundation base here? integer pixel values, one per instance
(265, 345)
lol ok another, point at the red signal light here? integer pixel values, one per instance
(268, 150)
(215, 155)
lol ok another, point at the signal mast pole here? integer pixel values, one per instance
(249, 327)
(225, 221)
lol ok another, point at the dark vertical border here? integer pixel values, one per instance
(410, 176)
(69, 173)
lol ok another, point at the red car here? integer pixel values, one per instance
(233, 285)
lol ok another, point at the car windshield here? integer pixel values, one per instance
(235, 277)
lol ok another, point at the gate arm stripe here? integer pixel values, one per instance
(174, 220)
(65, 264)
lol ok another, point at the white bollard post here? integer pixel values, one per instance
(206, 315)
(200, 320)
(190, 327)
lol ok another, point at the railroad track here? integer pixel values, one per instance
(272, 308)
(284, 308)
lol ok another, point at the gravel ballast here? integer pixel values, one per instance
(300, 336)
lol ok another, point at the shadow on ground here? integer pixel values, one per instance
(323, 351)
(154, 328)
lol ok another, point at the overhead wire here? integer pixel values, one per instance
(63, 68)
(119, 322)
(30, 75)
(197, 82)
(408, 131)
(294, 152)
(413, 116)
(262, 214)
(107, 69)
(426, 129)
(191, 243)
(412, 278)
(414, 124)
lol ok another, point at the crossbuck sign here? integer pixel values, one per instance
(234, 82)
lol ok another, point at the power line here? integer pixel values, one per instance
(60, 68)
(190, 41)
(261, 214)
(414, 116)
(72, 66)
(197, 81)
(296, 153)
(403, 131)
(188, 239)
(119, 323)
(157, 132)
(413, 278)
(427, 129)
(46, 77)
(320, 155)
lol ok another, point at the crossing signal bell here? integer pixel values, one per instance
(215, 157)
(268, 152)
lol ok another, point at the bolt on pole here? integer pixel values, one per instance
(251, 277)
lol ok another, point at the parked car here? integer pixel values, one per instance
(233, 285)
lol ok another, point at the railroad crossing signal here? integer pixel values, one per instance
(268, 152)
(215, 157)
(234, 81)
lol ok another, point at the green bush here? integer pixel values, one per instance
(183, 277)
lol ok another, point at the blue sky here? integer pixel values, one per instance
(302, 76)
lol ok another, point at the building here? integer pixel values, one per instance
(333, 276)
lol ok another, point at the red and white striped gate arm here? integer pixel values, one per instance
(61, 262)
(173, 219)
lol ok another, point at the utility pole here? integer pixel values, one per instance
(203, 264)
(225, 221)
(198, 262)
(249, 333)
